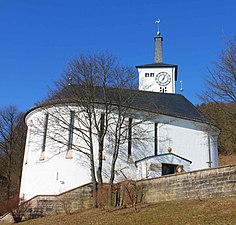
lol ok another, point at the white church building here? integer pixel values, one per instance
(165, 134)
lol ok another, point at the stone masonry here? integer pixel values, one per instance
(200, 184)
(67, 202)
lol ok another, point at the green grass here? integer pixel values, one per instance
(210, 211)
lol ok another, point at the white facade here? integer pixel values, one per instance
(49, 170)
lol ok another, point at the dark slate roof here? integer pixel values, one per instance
(160, 65)
(168, 104)
(162, 103)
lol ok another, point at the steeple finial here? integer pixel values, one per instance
(158, 44)
(158, 27)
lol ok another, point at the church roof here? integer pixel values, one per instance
(162, 103)
(168, 104)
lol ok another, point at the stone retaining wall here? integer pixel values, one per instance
(66, 202)
(208, 183)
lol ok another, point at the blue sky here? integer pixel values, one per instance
(39, 37)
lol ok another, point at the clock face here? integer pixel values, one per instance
(163, 78)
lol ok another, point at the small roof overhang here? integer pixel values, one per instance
(161, 155)
(160, 65)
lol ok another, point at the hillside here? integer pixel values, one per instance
(195, 212)
(200, 211)
(227, 160)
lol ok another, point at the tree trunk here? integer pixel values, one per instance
(92, 169)
(112, 177)
(99, 169)
(114, 158)
(110, 191)
(94, 183)
(100, 149)
(9, 177)
(94, 194)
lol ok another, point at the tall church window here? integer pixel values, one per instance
(27, 145)
(70, 137)
(146, 74)
(45, 128)
(129, 139)
(155, 139)
(45, 132)
(101, 133)
(102, 124)
(71, 129)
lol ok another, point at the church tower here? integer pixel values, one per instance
(157, 77)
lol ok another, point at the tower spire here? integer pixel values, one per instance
(158, 44)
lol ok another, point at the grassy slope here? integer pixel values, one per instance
(210, 211)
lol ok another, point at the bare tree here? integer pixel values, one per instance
(87, 85)
(221, 82)
(220, 96)
(12, 136)
(119, 130)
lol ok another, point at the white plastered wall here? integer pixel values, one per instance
(56, 173)
(188, 139)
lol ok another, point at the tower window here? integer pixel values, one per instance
(151, 74)
(163, 89)
(146, 74)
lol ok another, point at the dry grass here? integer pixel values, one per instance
(227, 160)
(194, 212)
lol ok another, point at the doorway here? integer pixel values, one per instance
(168, 169)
